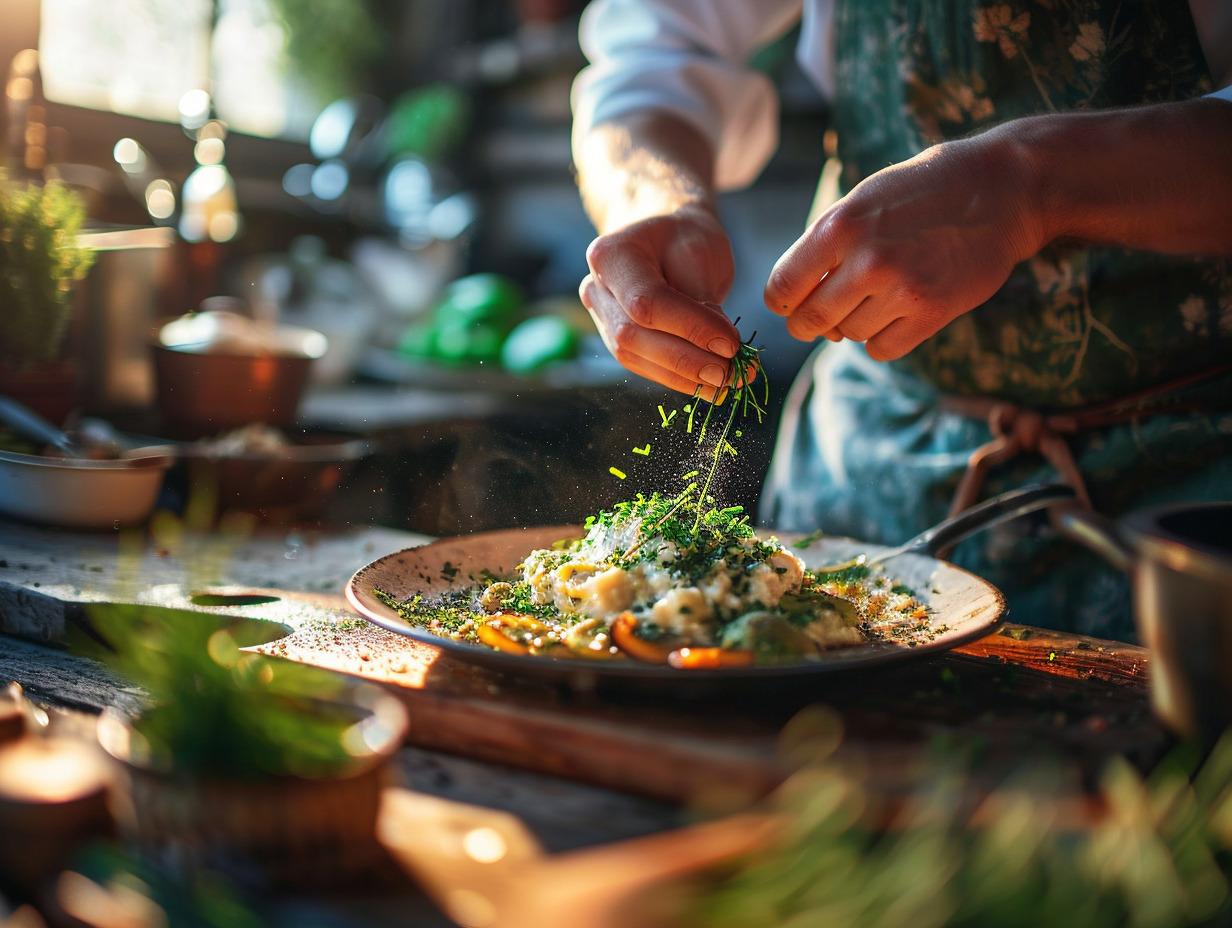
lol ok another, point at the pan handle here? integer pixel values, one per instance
(1097, 532)
(985, 515)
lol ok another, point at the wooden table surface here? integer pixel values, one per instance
(584, 768)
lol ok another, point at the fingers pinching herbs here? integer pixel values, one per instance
(662, 356)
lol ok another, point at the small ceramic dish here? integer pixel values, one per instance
(83, 492)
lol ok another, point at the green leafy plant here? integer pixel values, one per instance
(40, 263)
(218, 710)
(1157, 855)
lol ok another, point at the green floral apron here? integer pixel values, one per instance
(868, 449)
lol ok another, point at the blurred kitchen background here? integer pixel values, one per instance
(349, 166)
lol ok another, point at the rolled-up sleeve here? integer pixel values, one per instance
(689, 59)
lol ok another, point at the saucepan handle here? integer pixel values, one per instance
(1098, 533)
(984, 515)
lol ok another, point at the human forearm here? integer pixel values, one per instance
(1156, 177)
(642, 166)
(662, 265)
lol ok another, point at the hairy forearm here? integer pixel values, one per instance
(1155, 177)
(642, 166)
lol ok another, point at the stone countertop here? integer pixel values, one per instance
(46, 575)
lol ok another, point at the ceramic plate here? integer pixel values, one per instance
(965, 606)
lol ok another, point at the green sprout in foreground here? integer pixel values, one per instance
(1156, 853)
(217, 708)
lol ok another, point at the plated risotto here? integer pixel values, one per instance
(659, 581)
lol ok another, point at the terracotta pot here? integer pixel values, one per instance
(282, 832)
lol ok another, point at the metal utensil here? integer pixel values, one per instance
(944, 535)
(33, 426)
(96, 441)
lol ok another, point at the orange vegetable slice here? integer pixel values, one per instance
(493, 637)
(625, 637)
(709, 658)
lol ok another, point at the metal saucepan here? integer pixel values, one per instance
(1179, 561)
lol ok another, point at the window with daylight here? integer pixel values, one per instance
(141, 57)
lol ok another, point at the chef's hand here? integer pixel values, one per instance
(910, 248)
(655, 290)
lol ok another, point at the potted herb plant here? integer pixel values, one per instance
(257, 768)
(41, 262)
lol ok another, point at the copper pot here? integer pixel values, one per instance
(209, 384)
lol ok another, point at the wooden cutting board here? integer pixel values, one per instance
(1020, 692)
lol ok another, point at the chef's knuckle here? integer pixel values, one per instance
(685, 367)
(622, 339)
(598, 252)
(888, 346)
(700, 335)
(878, 263)
(916, 289)
(799, 327)
(855, 331)
(586, 290)
(840, 225)
(926, 317)
(640, 308)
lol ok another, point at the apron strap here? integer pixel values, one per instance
(1017, 430)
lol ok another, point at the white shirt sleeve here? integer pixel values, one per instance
(688, 58)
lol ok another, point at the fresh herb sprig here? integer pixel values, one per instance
(744, 402)
(699, 540)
